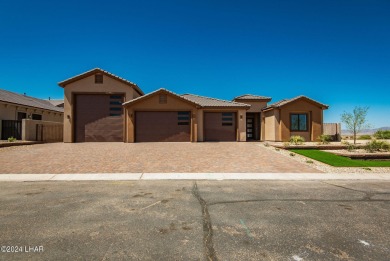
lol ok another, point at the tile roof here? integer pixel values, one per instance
(56, 102)
(200, 101)
(157, 91)
(286, 101)
(95, 70)
(11, 97)
(252, 97)
(212, 102)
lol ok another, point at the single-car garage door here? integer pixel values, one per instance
(98, 117)
(220, 126)
(162, 126)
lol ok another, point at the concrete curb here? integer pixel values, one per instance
(193, 176)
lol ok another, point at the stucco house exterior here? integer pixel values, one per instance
(100, 106)
(15, 107)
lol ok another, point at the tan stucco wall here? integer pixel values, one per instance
(29, 130)
(271, 125)
(152, 104)
(241, 125)
(314, 115)
(88, 85)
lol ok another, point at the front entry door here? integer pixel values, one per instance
(250, 128)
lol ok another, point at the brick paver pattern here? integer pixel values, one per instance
(146, 157)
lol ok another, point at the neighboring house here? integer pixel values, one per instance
(15, 107)
(57, 103)
(100, 106)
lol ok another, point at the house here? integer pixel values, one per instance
(297, 116)
(15, 107)
(57, 103)
(100, 106)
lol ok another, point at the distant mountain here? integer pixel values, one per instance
(365, 131)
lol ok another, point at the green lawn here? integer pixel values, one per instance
(340, 161)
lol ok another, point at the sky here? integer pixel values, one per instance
(336, 52)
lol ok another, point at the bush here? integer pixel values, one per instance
(297, 140)
(324, 139)
(385, 134)
(286, 144)
(364, 137)
(11, 139)
(350, 146)
(375, 145)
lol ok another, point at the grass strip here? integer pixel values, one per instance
(340, 161)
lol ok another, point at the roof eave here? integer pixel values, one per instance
(93, 71)
(141, 98)
(38, 108)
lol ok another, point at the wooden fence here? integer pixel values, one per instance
(49, 133)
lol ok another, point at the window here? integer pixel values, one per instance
(227, 119)
(298, 122)
(183, 118)
(37, 117)
(21, 115)
(116, 105)
(98, 78)
(162, 99)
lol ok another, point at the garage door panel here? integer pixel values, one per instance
(220, 126)
(94, 121)
(161, 127)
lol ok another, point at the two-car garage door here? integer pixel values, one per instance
(162, 126)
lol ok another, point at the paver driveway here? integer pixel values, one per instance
(145, 157)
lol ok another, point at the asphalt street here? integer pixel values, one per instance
(202, 220)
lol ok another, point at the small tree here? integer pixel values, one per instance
(355, 121)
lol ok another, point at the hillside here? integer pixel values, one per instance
(365, 131)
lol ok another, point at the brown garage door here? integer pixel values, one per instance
(98, 117)
(220, 126)
(162, 126)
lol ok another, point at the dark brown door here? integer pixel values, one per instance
(162, 126)
(220, 126)
(98, 117)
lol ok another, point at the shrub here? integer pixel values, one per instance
(297, 140)
(324, 139)
(382, 134)
(375, 145)
(292, 154)
(364, 137)
(350, 146)
(286, 144)
(11, 139)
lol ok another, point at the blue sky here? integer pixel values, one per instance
(337, 52)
